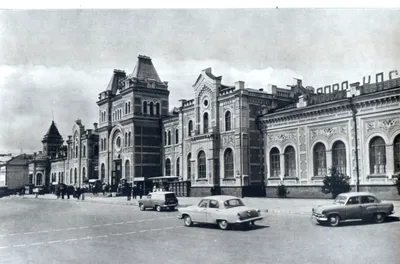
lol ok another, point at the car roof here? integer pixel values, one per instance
(350, 194)
(161, 192)
(221, 197)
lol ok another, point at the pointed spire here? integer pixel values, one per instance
(144, 69)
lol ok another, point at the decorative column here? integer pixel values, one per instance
(328, 157)
(389, 161)
(282, 165)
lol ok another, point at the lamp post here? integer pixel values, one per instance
(354, 112)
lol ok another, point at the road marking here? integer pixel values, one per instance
(12, 234)
(37, 243)
(85, 238)
(72, 239)
(71, 228)
(179, 226)
(54, 241)
(3, 247)
(139, 221)
(56, 230)
(28, 233)
(20, 245)
(83, 227)
(155, 229)
(119, 234)
(107, 224)
(96, 225)
(171, 227)
(130, 222)
(141, 231)
(43, 231)
(120, 223)
(152, 219)
(128, 233)
(102, 236)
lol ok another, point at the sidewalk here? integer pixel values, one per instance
(273, 205)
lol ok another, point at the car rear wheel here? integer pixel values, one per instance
(158, 208)
(379, 218)
(172, 208)
(187, 221)
(334, 220)
(223, 224)
(141, 207)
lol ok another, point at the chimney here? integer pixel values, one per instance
(208, 70)
(299, 83)
(95, 126)
(239, 85)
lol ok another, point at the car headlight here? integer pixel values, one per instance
(238, 215)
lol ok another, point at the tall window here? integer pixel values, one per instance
(177, 167)
(290, 162)
(61, 180)
(396, 150)
(205, 123)
(70, 176)
(157, 108)
(127, 171)
(75, 176)
(168, 167)
(39, 177)
(190, 128)
(76, 151)
(126, 139)
(165, 138)
(84, 151)
(274, 163)
(144, 107)
(228, 163)
(103, 172)
(169, 137)
(129, 138)
(189, 166)
(320, 160)
(84, 174)
(377, 156)
(176, 136)
(339, 157)
(201, 165)
(227, 121)
(151, 108)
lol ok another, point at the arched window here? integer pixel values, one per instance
(75, 176)
(103, 172)
(227, 121)
(113, 116)
(101, 144)
(377, 156)
(228, 163)
(105, 144)
(84, 151)
(151, 108)
(168, 167)
(127, 171)
(126, 139)
(201, 165)
(396, 152)
(129, 138)
(84, 174)
(190, 128)
(189, 166)
(129, 106)
(126, 108)
(177, 167)
(319, 160)
(61, 180)
(70, 176)
(165, 138)
(144, 107)
(290, 162)
(39, 179)
(169, 137)
(339, 157)
(205, 123)
(274, 160)
(176, 136)
(157, 108)
(76, 151)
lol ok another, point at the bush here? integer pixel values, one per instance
(336, 183)
(282, 191)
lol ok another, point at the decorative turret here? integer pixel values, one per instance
(52, 141)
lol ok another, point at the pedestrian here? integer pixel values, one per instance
(140, 191)
(134, 189)
(212, 190)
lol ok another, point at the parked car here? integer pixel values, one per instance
(159, 201)
(353, 205)
(223, 210)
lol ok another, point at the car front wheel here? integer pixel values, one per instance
(187, 221)
(141, 207)
(223, 224)
(158, 208)
(379, 218)
(334, 220)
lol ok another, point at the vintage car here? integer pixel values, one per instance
(352, 206)
(159, 201)
(223, 210)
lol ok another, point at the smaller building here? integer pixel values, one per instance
(14, 172)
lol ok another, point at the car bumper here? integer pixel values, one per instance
(169, 205)
(249, 219)
(319, 217)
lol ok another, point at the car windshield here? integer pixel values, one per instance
(340, 200)
(233, 203)
(170, 196)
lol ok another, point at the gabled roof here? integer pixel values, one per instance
(144, 69)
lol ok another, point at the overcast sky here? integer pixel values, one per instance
(59, 61)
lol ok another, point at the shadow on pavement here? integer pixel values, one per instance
(232, 227)
(388, 220)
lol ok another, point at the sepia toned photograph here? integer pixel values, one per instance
(199, 135)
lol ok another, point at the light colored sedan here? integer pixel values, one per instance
(223, 210)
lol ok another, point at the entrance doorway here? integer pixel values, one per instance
(116, 175)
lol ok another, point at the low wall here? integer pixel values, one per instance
(3, 191)
(206, 191)
(383, 192)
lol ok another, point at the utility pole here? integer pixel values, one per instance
(354, 113)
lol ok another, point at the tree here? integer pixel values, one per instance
(336, 183)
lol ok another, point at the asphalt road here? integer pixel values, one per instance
(55, 231)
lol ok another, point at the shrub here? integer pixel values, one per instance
(282, 191)
(336, 183)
